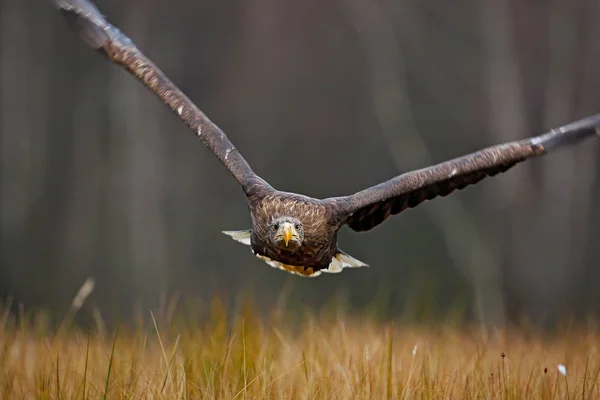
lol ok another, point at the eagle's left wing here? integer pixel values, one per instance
(370, 207)
(98, 33)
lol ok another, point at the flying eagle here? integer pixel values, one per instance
(290, 231)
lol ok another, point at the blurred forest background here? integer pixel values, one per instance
(98, 178)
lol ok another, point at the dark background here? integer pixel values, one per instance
(98, 178)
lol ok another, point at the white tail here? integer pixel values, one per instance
(240, 236)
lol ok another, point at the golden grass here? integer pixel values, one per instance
(339, 357)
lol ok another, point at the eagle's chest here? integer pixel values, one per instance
(310, 260)
(308, 264)
(305, 261)
(316, 256)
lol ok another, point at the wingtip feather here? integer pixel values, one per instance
(90, 24)
(568, 134)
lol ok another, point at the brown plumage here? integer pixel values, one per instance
(291, 231)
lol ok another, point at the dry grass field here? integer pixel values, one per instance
(314, 357)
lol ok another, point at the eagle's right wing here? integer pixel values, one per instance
(370, 207)
(101, 35)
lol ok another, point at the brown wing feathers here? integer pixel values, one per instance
(372, 206)
(363, 210)
(100, 34)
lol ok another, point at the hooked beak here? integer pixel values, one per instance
(288, 232)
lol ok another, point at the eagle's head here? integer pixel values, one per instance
(286, 233)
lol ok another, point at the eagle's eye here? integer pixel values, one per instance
(297, 227)
(274, 227)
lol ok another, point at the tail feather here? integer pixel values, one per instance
(240, 236)
(568, 134)
(343, 260)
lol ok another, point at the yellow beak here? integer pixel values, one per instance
(287, 233)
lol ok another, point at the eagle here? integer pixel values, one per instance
(290, 231)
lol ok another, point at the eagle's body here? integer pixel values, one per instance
(320, 230)
(318, 251)
(290, 231)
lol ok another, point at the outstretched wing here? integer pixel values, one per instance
(372, 206)
(98, 33)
